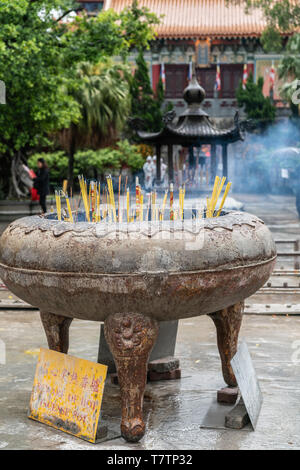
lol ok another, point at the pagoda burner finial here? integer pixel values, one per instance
(194, 93)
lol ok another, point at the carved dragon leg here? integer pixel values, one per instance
(57, 331)
(131, 338)
(228, 323)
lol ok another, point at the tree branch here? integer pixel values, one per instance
(67, 13)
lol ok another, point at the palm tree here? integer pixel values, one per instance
(102, 93)
(289, 69)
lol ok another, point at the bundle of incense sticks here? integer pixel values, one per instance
(171, 201)
(112, 198)
(83, 190)
(212, 202)
(138, 201)
(58, 204)
(90, 194)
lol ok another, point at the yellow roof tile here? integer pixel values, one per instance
(199, 18)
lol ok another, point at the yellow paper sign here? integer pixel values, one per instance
(67, 393)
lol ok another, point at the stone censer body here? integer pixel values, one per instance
(133, 276)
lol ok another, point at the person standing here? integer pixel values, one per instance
(41, 183)
(148, 172)
(153, 168)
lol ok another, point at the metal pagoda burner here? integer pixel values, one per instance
(131, 277)
(192, 128)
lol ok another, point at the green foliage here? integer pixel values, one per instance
(290, 64)
(137, 24)
(257, 106)
(283, 15)
(145, 105)
(40, 49)
(289, 69)
(271, 39)
(32, 67)
(130, 155)
(102, 93)
(91, 163)
(94, 162)
(56, 161)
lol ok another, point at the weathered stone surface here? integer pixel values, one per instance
(238, 417)
(165, 364)
(166, 271)
(173, 273)
(228, 323)
(170, 375)
(131, 338)
(228, 395)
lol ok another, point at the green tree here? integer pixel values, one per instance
(40, 47)
(289, 70)
(146, 105)
(282, 17)
(257, 106)
(102, 93)
(91, 163)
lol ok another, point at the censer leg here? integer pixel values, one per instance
(131, 338)
(57, 331)
(228, 323)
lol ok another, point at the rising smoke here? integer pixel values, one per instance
(268, 161)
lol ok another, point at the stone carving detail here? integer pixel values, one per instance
(233, 218)
(131, 338)
(169, 117)
(228, 323)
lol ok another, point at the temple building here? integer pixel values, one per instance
(214, 34)
(223, 43)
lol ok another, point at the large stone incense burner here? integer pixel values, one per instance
(131, 277)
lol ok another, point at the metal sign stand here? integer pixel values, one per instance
(245, 413)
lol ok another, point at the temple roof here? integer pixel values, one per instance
(193, 126)
(185, 19)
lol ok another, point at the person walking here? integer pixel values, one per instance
(41, 183)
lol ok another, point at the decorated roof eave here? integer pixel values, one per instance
(195, 37)
(170, 136)
(193, 126)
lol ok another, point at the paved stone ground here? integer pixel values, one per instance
(174, 410)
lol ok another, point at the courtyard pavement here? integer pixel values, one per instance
(174, 410)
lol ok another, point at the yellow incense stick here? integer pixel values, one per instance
(83, 186)
(208, 211)
(119, 199)
(98, 217)
(142, 208)
(219, 190)
(171, 201)
(215, 189)
(93, 193)
(128, 205)
(65, 186)
(90, 196)
(69, 208)
(224, 198)
(112, 197)
(58, 205)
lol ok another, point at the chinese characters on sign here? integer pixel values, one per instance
(67, 393)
